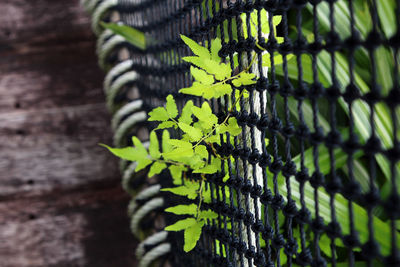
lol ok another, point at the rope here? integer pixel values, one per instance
(104, 36)
(98, 13)
(123, 121)
(148, 207)
(90, 5)
(154, 254)
(144, 194)
(126, 125)
(121, 81)
(150, 241)
(116, 71)
(124, 111)
(108, 47)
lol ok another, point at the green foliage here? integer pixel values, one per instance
(265, 31)
(192, 235)
(200, 130)
(212, 77)
(132, 35)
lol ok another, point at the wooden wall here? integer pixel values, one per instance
(61, 203)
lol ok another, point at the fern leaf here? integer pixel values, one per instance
(190, 209)
(158, 114)
(201, 76)
(195, 134)
(181, 225)
(186, 115)
(196, 48)
(171, 107)
(154, 146)
(215, 48)
(192, 235)
(156, 168)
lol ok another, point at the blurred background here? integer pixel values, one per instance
(61, 201)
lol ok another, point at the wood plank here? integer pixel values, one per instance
(77, 228)
(40, 23)
(60, 76)
(55, 148)
(61, 202)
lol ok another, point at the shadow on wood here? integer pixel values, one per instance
(61, 202)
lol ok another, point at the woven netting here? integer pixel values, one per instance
(314, 175)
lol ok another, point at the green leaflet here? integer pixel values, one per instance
(208, 214)
(214, 167)
(127, 153)
(142, 163)
(202, 76)
(197, 49)
(166, 146)
(176, 173)
(192, 235)
(188, 190)
(197, 61)
(171, 108)
(194, 133)
(219, 90)
(133, 36)
(154, 148)
(244, 78)
(158, 114)
(205, 116)
(183, 209)
(186, 115)
(181, 225)
(166, 124)
(156, 168)
(220, 70)
(197, 89)
(215, 47)
(231, 127)
(201, 150)
(181, 149)
(212, 91)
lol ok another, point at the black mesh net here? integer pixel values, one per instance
(314, 175)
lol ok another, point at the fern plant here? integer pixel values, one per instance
(200, 131)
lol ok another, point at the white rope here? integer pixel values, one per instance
(149, 206)
(107, 48)
(128, 173)
(106, 34)
(144, 194)
(126, 125)
(90, 5)
(125, 110)
(128, 77)
(154, 254)
(150, 241)
(98, 13)
(115, 71)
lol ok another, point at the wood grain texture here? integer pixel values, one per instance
(61, 202)
(51, 149)
(76, 228)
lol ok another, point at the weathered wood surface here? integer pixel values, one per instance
(60, 198)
